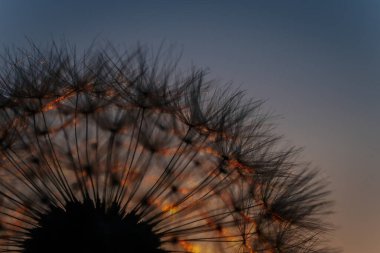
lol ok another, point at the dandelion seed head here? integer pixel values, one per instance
(116, 152)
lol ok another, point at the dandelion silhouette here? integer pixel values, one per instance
(112, 152)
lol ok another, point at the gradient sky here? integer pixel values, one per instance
(316, 63)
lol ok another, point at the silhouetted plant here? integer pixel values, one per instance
(117, 152)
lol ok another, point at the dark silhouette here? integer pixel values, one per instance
(118, 152)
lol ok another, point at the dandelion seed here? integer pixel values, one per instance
(116, 153)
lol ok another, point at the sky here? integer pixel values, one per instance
(315, 63)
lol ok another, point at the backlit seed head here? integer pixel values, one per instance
(117, 153)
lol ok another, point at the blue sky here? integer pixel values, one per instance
(316, 63)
